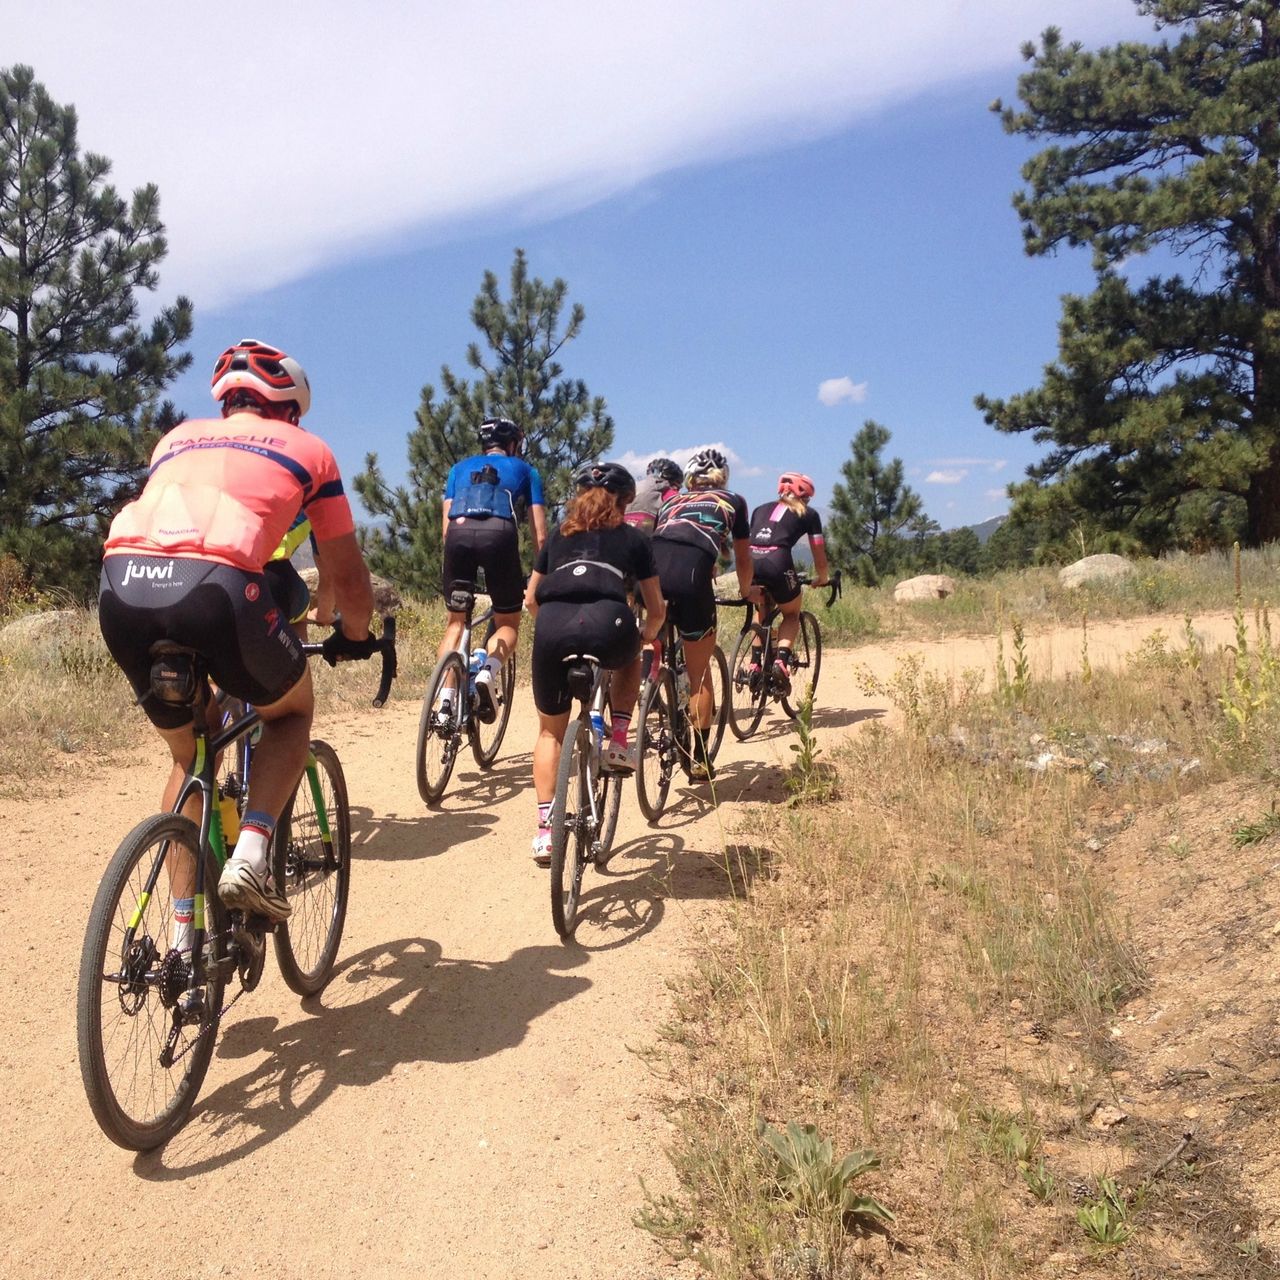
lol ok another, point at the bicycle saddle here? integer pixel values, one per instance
(582, 674)
(177, 672)
(461, 599)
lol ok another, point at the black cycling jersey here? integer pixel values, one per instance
(595, 564)
(712, 519)
(776, 525)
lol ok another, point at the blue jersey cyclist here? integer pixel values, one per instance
(485, 498)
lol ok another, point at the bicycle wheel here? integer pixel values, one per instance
(311, 863)
(146, 1037)
(609, 802)
(718, 674)
(655, 746)
(486, 739)
(573, 826)
(807, 654)
(748, 688)
(440, 736)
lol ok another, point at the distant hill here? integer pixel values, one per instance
(987, 527)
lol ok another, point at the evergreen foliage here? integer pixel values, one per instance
(1168, 386)
(518, 375)
(80, 377)
(872, 508)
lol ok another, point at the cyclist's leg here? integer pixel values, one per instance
(459, 568)
(553, 702)
(697, 658)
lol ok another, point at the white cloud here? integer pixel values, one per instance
(328, 131)
(953, 476)
(842, 390)
(989, 464)
(738, 467)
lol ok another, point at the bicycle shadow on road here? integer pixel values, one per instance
(387, 1007)
(392, 838)
(484, 787)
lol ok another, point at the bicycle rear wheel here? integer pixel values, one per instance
(145, 1034)
(748, 684)
(311, 863)
(718, 675)
(655, 746)
(806, 664)
(486, 739)
(440, 736)
(574, 824)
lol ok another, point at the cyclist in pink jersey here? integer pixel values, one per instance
(184, 563)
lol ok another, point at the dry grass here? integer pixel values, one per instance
(935, 972)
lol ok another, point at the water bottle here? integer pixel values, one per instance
(230, 815)
(597, 723)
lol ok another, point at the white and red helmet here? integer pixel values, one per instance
(265, 371)
(795, 485)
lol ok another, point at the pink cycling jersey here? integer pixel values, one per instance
(228, 489)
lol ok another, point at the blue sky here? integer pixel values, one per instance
(836, 208)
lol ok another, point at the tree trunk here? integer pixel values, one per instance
(1263, 503)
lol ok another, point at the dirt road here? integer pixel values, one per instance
(463, 1100)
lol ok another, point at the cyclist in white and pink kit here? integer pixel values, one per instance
(184, 563)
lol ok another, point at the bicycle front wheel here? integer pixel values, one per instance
(575, 821)
(806, 664)
(486, 739)
(718, 675)
(655, 746)
(748, 684)
(311, 863)
(440, 734)
(145, 1028)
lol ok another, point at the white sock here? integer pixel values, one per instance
(493, 665)
(255, 835)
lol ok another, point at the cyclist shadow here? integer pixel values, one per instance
(752, 780)
(387, 1007)
(484, 787)
(391, 838)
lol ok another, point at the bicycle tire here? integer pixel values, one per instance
(116, 1102)
(571, 826)
(314, 874)
(655, 746)
(807, 663)
(748, 690)
(718, 674)
(485, 755)
(438, 745)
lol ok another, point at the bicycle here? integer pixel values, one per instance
(663, 725)
(146, 1013)
(752, 683)
(439, 733)
(584, 810)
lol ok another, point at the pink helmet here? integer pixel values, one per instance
(267, 372)
(796, 485)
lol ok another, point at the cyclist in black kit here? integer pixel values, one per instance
(776, 527)
(579, 595)
(694, 530)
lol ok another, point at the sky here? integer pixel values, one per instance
(782, 219)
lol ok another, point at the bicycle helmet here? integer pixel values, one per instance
(707, 469)
(501, 432)
(606, 475)
(668, 470)
(796, 485)
(264, 371)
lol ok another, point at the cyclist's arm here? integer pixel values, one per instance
(655, 609)
(821, 569)
(742, 563)
(444, 518)
(323, 609)
(530, 596)
(538, 522)
(352, 590)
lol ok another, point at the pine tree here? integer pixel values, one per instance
(518, 376)
(871, 508)
(1169, 385)
(80, 377)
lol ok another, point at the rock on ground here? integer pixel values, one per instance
(36, 629)
(386, 595)
(1094, 569)
(928, 586)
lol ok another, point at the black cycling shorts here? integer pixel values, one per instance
(603, 629)
(685, 573)
(491, 544)
(226, 615)
(773, 569)
(288, 588)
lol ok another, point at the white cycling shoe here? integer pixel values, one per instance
(241, 888)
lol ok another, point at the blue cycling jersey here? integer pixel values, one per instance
(492, 484)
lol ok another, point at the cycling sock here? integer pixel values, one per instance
(494, 666)
(621, 727)
(255, 834)
(784, 657)
(757, 654)
(544, 815)
(183, 911)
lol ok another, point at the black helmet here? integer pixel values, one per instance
(606, 475)
(499, 431)
(668, 470)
